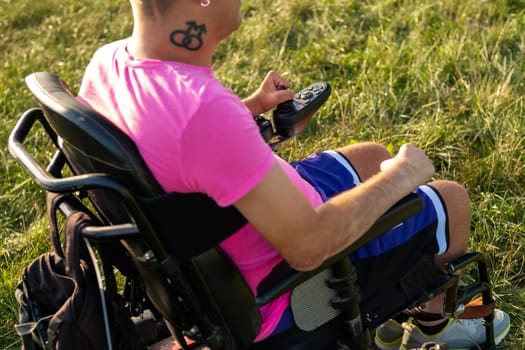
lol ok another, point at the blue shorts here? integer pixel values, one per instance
(395, 267)
(330, 173)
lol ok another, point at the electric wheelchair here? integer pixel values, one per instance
(167, 243)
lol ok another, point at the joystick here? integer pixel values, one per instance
(291, 117)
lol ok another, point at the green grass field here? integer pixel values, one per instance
(446, 75)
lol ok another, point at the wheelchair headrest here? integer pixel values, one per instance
(90, 142)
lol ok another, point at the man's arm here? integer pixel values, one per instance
(306, 236)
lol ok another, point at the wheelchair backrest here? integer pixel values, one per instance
(89, 141)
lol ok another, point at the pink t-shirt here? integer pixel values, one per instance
(195, 136)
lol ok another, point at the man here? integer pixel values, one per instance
(197, 136)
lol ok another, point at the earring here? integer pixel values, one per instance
(205, 3)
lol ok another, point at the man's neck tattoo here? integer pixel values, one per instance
(191, 38)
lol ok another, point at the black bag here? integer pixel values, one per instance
(58, 295)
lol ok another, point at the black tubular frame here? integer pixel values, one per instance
(154, 258)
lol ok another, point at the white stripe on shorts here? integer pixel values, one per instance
(441, 234)
(344, 162)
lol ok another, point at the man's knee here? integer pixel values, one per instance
(459, 213)
(455, 198)
(365, 157)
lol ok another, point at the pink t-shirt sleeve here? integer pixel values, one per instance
(225, 155)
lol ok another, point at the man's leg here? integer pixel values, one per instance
(457, 204)
(365, 159)
(459, 214)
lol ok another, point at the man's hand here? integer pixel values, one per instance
(268, 95)
(412, 162)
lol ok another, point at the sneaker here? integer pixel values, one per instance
(388, 335)
(459, 334)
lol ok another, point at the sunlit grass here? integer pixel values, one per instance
(446, 75)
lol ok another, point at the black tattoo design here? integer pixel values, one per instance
(191, 38)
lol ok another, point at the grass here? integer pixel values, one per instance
(446, 75)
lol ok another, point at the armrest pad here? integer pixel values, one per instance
(283, 278)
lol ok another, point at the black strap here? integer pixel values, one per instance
(474, 309)
(72, 234)
(53, 200)
(279, 273)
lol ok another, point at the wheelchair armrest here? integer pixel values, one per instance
(43, 177)
(49, 179)
(283, 278)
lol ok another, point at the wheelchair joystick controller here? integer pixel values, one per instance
(291, 117)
